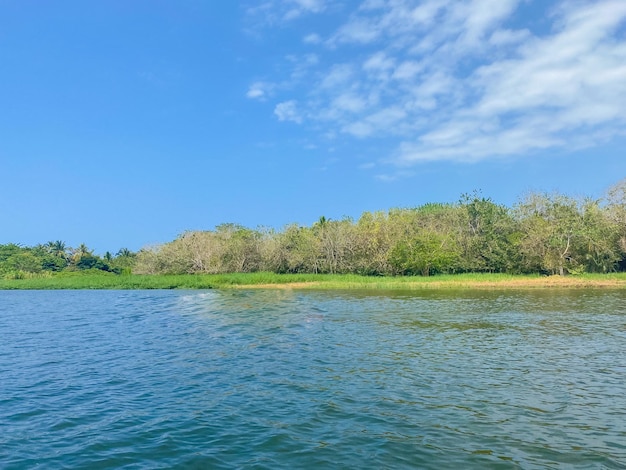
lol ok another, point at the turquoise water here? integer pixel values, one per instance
(294, 379)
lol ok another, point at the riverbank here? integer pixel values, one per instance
(313, 281)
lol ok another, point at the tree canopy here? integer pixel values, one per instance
(549, 233)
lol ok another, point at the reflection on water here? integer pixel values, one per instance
(296, 379)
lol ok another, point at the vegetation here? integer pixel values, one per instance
(19, 262)
(542, 234)
(101, 280)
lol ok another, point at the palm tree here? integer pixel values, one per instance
(78, 253)
(124, 253)
(57, 248)
(321, 224)
(83, 250)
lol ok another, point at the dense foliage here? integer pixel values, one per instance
(542, 233)
(17, 261)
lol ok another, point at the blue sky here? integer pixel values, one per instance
(125, 123)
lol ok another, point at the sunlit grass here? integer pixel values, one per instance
(308, 281)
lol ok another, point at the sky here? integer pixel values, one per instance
(125, 123)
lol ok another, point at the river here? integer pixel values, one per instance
(284, 379)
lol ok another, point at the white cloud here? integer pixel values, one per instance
(255, 93)
(349, 102)
(312, 38)
(298, 8)
(299, 68)
(407, 70)
(338, 76)
(507, 37)
(465, 80)
(395, 176)
(379, 66)
(387, 120)
(360, 30)
(300, 65)
(288, 111)
(480, 16)
(259, 90)
(273, 12)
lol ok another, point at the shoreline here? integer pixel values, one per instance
(315, 282)
(547, 282)
(443, 285)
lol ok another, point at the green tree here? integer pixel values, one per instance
(90, 261)
(57, 248)
(373, 244)
(616, 213)
(488, 235)
(124, 253)
(553, 228)
(24, 261)
(241, 248)
(294, 250)
(123, 261)
(425, 253)
(336, 244)
(599, 244)
(8, 250)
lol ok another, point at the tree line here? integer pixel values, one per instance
(18, 261)
(549, 233)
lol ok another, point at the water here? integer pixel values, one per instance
(294, 379)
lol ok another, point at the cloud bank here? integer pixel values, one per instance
(459, 80)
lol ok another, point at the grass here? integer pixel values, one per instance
(311, 281)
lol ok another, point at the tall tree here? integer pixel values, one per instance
(425, 253)
(616, 211)
(58, 248)
(553, 228)
(487, 238)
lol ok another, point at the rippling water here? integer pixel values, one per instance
(294, 379)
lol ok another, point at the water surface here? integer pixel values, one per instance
(293, 379)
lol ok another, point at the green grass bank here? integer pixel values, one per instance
(312, 281)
